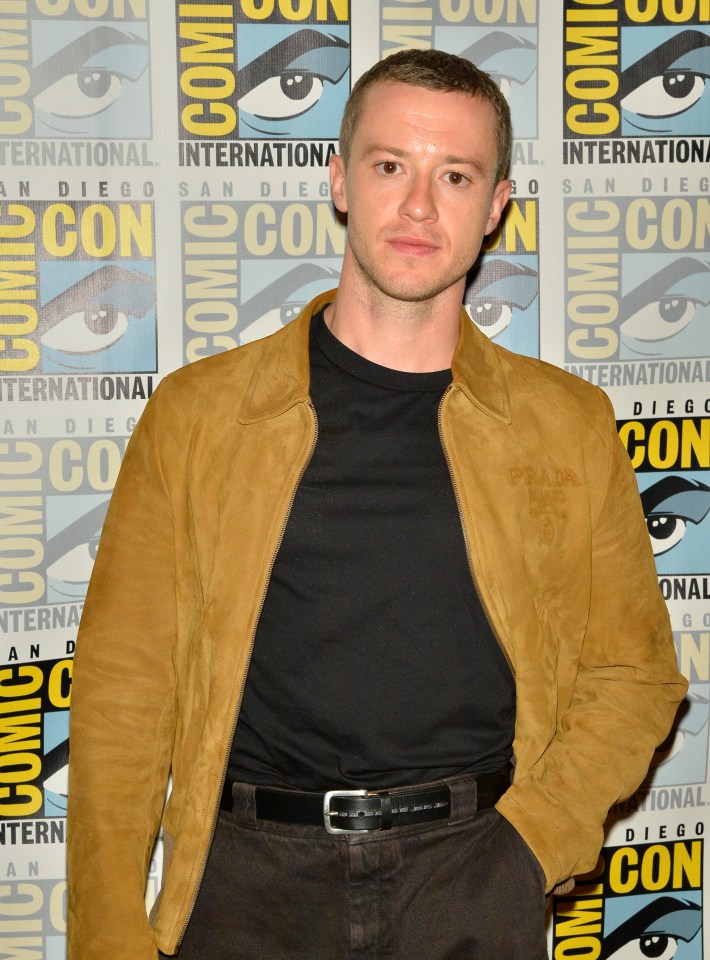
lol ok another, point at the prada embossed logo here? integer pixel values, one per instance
(546, 487)
(547, 476)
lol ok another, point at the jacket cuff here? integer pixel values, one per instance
(536, 839)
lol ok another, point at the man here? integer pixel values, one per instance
(408, 561)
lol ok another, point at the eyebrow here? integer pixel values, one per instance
(661, 59)
(135, 290)
(75, 54)
(658, 285)
(282, 56)
(448, 159)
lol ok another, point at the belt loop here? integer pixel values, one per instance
(464, 798)
(241, 802)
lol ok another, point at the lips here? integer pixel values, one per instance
(412, 246)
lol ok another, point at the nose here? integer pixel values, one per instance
(418, 202)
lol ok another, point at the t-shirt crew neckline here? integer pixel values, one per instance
(358, 366)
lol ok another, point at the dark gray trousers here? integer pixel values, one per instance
(467, 888)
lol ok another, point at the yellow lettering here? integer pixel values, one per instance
(59, 685)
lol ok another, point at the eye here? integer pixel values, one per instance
(669, 505)
(289, 78)
(665, 531)
(282, 299)
(492, 315)
(668, 80)
(498, 291)
(97, 311)
(510, 60)
(666, 95)
(648, 947)
(663, 305)
(81, 94)
(388, 167)
(653, 933)
(289, 312)
(88, 75)
(75, 565)
(456, 178)
(283, 97)
(87, 331)
(660, 319)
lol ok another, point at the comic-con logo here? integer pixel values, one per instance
(637, 278)
(636, 68)
(33, 912)
(502, 289)
(641, 901)
(671, 458)
(75, 70)
(263, 69)
(682, 758)
(676, 507)
(262, 263)
(52, 509)
(34, 732)
(79, 288)
(500, 37)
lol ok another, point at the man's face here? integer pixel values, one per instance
(419, 189)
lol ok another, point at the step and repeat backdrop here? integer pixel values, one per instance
(164, 196)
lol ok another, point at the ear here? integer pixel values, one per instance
(338, 189)
(498, 202)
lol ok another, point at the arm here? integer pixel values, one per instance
(625, 693)
(123, 706)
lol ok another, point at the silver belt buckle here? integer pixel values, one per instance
(327, 814)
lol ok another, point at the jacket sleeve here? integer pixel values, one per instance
(625, 696)
(123, 707)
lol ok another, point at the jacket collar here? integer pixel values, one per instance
(281, 377)
(478, 371)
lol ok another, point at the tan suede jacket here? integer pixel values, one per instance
(558, 550)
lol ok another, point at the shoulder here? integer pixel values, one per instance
(553, 393)
(217, 386)
(214, 379)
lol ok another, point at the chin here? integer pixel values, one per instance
(414, 289)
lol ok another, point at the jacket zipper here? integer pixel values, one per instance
(474, 579)
(246, 671)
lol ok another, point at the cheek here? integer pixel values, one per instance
(469, 232)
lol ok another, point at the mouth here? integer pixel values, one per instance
(412, 246)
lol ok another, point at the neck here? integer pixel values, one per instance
(412, 336)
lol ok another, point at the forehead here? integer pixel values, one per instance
(401, 115)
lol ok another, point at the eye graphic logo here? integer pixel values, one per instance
(91, 83)
(279, 301)
(502, 299)
(640, 902)
(667, 315)
(500, 38)
(510, 57)
(664, 86)
(103, 321)
(291, 84)
(70, 551)
(660, 927)
(676, 508)
(55, 762)
(682, 758)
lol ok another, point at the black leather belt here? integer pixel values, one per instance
(353, 811)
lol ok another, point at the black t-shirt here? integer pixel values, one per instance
(374, 664)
